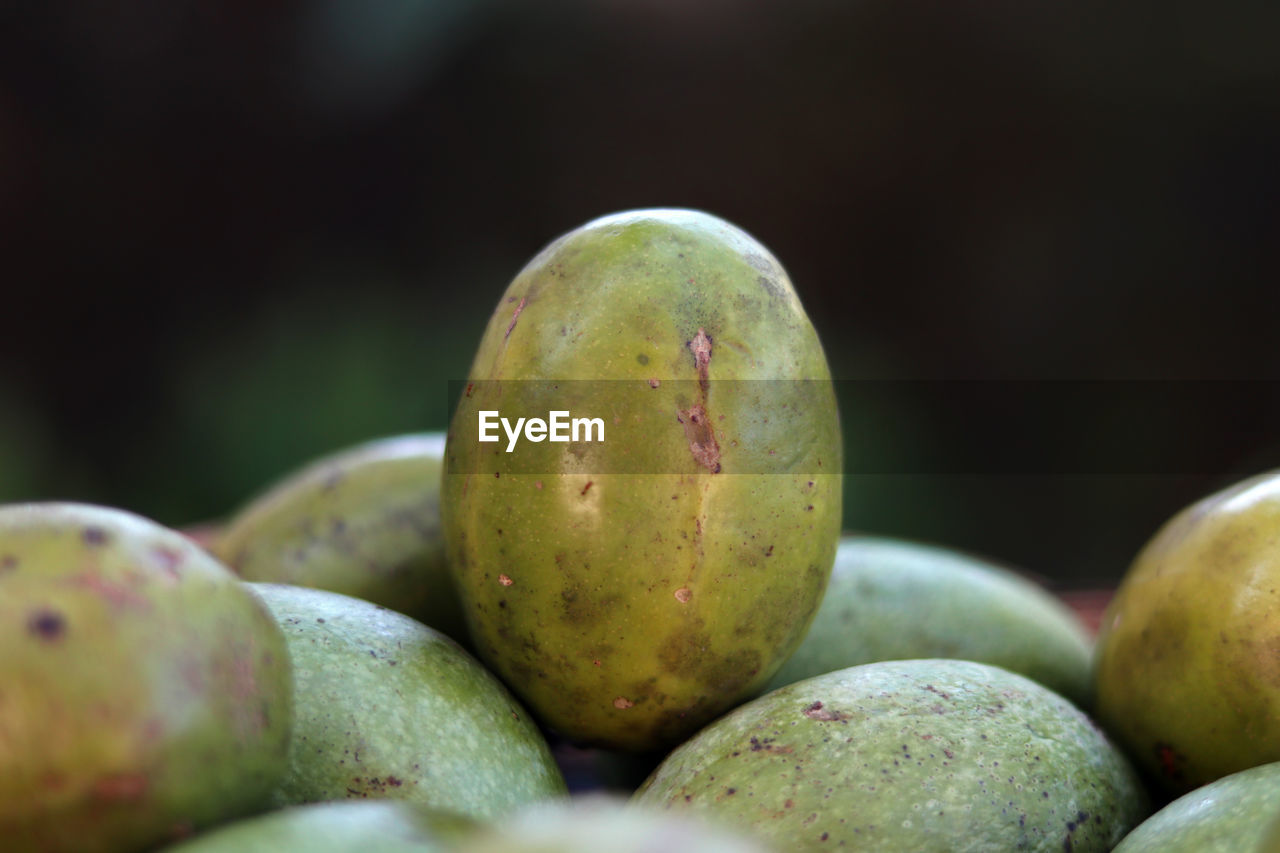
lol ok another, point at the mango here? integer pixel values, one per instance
(345, 826)
(1186, 670)
(1269, 841)
(895, 600)
(638, 580)
(593, 823)
(388, 708)
(920, 755)
(364, 521)
(144, 691)
(1231, 815)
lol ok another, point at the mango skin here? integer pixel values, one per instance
(144, 691)
(921, 755)
(364, 521)
(890, 599)
(388, 708)
(1269, 841)
(594, 822)
(625, 591)
(1231, 815)
(1186, 670)
(360, 826)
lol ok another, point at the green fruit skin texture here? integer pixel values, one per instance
(896, 600)
(388, 708)
(923, 755)
(626, 608)
(1187, 674)
(363, 522)
(144, 691)
(1230, 815)
(1269, 839)
(593, 823)
(363, 826)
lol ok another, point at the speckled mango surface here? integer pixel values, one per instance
(364, 521)
(896, 600)
(1187, 670)
(1231, 815)
(360, 826)
(144, 691)
(388, 708)
(921, 755)
(632, 589)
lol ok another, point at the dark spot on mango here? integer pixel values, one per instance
(8, 563)
(770, 286)
(683, 652)
(642, 358)
(48, 625)
(731, 673)
(94, 536)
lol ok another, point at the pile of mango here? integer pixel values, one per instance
(625, 618)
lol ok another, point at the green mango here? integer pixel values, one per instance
(387, 708)
(1269, 840)
(1230, 815)
(896, 600)
(359, 826)
(631, 589)
(364, 521)
(144, 691)
(921, 755)
(595, 822)
(1186, 671)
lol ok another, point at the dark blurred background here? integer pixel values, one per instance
(237, 235)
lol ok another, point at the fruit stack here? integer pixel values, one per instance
(614, 609)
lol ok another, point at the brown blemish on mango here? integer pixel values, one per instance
(701, 437)
(697, 424)
(816, 711)
(516, 316)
